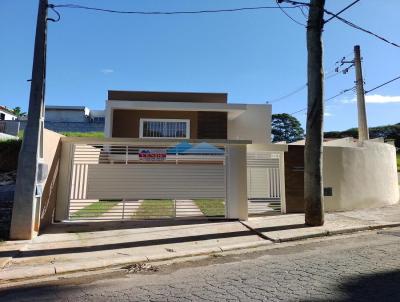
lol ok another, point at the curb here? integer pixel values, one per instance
(37, 273)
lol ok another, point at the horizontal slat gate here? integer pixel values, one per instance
(156, 181)
(111, 182)
(263, 182)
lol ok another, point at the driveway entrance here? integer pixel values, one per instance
(112, 180)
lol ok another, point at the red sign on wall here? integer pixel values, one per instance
(152, 154)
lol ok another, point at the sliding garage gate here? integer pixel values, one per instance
(122, 182)
(263, 182)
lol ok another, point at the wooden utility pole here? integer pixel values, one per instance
(363, 133)
(313, 160)
(27, 194)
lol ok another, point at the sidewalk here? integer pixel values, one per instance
(74, 247)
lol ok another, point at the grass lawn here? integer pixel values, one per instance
(398, 161)
(151, 208)
(95, 209)
(211, 207)
(83, 134)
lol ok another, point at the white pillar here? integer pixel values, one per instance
(236, 182)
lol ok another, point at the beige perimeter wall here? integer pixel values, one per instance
(360, 177)
(51, 156)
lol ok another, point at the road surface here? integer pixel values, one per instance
(362, 267)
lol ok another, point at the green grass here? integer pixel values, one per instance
(83, 134)
(95, 209)
(211, 207)
(151, 208)
(398, 161)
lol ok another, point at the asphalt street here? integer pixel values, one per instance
(362, 267)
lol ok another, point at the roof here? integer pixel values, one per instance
(160, 96)
(5, 109)
(233, 110)
(55, 107)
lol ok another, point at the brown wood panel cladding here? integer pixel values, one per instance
(148, 96)
(294, 179)
(212, 125)
(126, 123)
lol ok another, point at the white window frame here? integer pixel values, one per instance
(142, 120)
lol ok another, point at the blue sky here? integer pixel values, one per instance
(254, 56)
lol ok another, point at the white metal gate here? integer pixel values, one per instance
(263, 182)
(137, 181)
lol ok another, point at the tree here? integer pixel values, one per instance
(18, 111)
(286, 127)
(313, 186)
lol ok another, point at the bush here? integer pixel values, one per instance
(9, 151)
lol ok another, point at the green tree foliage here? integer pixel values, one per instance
(18, 111)
(286, 127)
(390, 132)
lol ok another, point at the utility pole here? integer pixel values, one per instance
(313, 160)
(27, 194)
(363, 133)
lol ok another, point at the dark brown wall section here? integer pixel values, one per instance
(203, 125)
(167, 96)
(126, 123)
(212, 125)
(294, 179)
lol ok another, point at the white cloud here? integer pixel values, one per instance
(375, 99)
(327, 114)
(107, 71)
(381, 99)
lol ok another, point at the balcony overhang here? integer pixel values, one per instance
(233, 110)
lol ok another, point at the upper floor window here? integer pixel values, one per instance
(164, 128)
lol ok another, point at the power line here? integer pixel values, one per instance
(344, 9)
(327, 100)
(225, 10)
(381, 85)
(289, 16)
(288, 95)
(351, 24)
(328, 75)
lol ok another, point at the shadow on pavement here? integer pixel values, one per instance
(383, 286)
(97, 226)
(144, 243)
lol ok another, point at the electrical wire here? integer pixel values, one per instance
(351, 24)
(302, 12)
(327, 100)
(289, 16)
(225, 10)
(288, 95)
(381, 85)
(56, 12)
(344, 9)
(327, 76)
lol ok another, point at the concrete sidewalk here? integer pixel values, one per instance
(74, 247)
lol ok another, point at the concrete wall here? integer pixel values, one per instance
(52, 115)
(70, 126)
(254, 124)
(9, 127)
(52, 152)
(360, 177)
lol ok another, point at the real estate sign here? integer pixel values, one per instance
(152, 154)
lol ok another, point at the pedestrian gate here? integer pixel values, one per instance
(263, 182)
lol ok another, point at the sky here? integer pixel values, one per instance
(254, 56)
